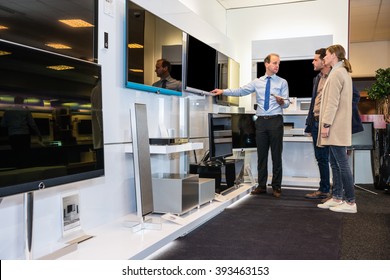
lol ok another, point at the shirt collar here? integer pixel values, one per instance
(168, 78)
(265, 76)
(322, 75)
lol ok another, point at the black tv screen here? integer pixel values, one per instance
(243, 131)
(220, 136)
(149, 38)
(49, 89)
(37, 24)
(43, 126)
(364, 140)
(201, 66)
(298, 73)
(85, 127)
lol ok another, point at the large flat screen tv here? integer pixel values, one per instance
(57, 145)
(298, 73)
(149, 38)
(47, 25)
(201, 68)
(228, 77)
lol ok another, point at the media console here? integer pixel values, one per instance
(224, 173)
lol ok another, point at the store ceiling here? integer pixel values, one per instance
(369, 21)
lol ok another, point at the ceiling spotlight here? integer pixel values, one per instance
(136, 70)
(77, 23)
(135, 46)
(58, 46)
(4, 52)
(60, 67)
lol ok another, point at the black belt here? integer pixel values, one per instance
(317, 118)
(268, 117)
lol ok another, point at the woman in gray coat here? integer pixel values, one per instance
(335, 130)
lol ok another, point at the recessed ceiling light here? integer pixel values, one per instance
(77, 23)
(136, 70)
(135, 46)
(2, 27)
(58, 46)
(4, 52)
(60, 67)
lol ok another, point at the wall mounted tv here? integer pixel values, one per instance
(201, 68)
(149, 38)
(37, 24)
(298, 73)
(52, 88)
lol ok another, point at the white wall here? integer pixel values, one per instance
(105, 199)
(304, 19)
(366, 58)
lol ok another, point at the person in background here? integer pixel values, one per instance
(335, 130)
(19, 121)
(163, 70)
(271, 97)
(357, 125)
(321, 153)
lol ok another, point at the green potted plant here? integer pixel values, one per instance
(380, 91)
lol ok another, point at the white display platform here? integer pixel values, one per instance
(168, 149)
(115, 241)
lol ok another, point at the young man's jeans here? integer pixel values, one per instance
(343, 185)
(322, 157)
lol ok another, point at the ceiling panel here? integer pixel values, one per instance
(242, 4)
(37, 21)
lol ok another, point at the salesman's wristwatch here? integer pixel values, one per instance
(326, 125)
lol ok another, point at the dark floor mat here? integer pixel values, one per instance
(263, 227)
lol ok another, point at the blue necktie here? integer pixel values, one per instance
(267, 93)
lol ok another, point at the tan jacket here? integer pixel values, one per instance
(336, 108)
